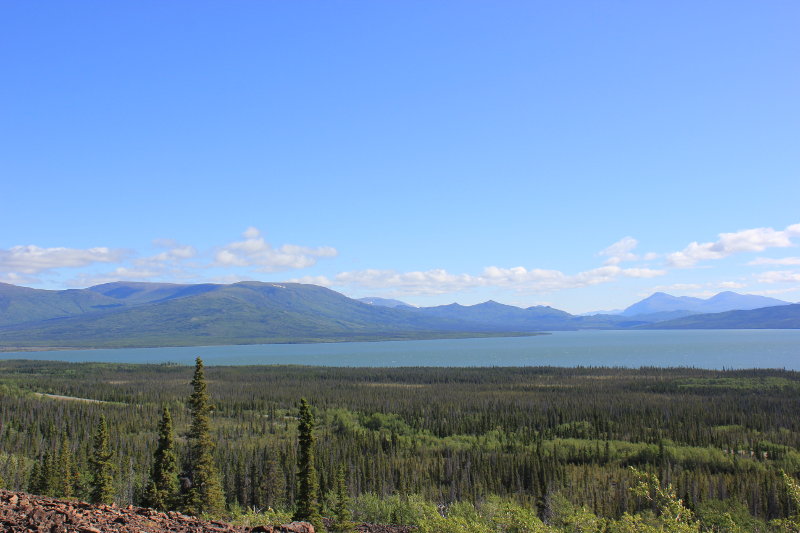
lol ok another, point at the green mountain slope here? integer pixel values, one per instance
(242, 313)
(19, 305)
(159, 314)
(137, 293)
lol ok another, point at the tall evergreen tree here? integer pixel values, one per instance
(343, 517)
(44, 485)
(272, 486)
(35, 479)
(65, 470)
(307, 504)
(162, 489)
(102, 489)
(205, 493)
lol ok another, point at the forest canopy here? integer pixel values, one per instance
(543, 439)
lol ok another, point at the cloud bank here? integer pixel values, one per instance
(785, 261)
(33, 259)
(252, 255)
(779, 276)
(749, 240)
(620, 251)
(439, 281)
(255, 252)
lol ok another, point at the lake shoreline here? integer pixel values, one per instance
(709, 349)
(23, 349)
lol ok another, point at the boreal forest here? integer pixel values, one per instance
(444, 449)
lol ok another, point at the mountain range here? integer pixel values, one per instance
(162, 314)
(660, 302)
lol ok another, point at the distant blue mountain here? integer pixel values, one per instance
(725, 301)
(155, 314)
(161, 314)
(501, 317)
(773, 317)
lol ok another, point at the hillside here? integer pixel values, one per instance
(491, 439)
(19, 305)
(778, 317)
(136, 314)
(241, 313)
(501, 317)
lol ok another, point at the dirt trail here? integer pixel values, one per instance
(68, 398)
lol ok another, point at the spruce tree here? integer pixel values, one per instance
(307, 505)
(162, 489)
(35, 479)
(343, 517)
(46, 476)
(272, 489)
(65, 470)
(205, 493)
(102, 489)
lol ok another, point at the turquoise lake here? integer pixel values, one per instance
(714, 349)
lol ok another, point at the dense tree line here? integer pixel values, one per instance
(532, 435)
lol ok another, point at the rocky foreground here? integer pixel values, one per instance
(22, 512)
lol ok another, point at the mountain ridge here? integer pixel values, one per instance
(239, 313)
(774, 317)
(250, 312)
(660, 302)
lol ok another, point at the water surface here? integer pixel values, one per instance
(714, 349)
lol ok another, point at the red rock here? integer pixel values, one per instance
(31, 513)
(296, 527)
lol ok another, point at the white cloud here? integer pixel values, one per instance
(118, 274)
(168, 265)
(643, 272)
(33, 259)
(697, 289)
(255, 252)
(440, 281)
(21, 264)
(749, 240)
(595, 276)
(779, 276)
(177, 253)
(675, 287)
(620, 251)
(435, 281)
(17, 279)
(174, 253)
(731, 285)
(786, 261)
(322, 281)
(772, 292)
(540, 280)
(520, 276)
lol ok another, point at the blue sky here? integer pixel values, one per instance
(578, 154)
